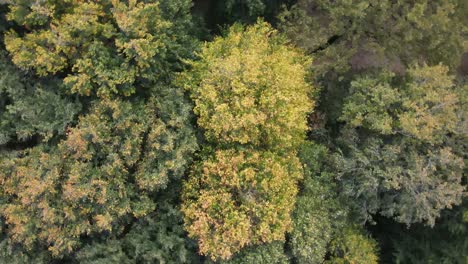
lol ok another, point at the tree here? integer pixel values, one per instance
(249, 89)
(157, 238)
(353, 246)
(251, 98)
(247, 10)
(240, 198)
(271, 253)
(104, 48)
(358, 37)
(319, 214)
(100, 177)
(445, 243)
(30, 108)
(365, 34)
(11, 254)
(399, 144)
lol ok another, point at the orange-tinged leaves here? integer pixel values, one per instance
(240, 198)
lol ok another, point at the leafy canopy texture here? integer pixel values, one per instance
(247, 11)
(425, 107)
(398, 125)
(157, 238)
(251, 99)
(96, 132)
(104, 47)
(240, 198)
(271, 253)
(445, 243)
(98, 178)
(30, 108)
(363, 34)
(249, 88)
(353, 246)
(401, 144)
(319, 215)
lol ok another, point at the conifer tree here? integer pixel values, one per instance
(100, 177)
(402, 144)
(106, 47)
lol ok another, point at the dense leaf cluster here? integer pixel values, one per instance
(398, 144)
(32, 108)
(104, 47)
(299, 132)
(97, 179)
(246, 87)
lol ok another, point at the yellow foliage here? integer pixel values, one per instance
(250, 88)
(240, 198)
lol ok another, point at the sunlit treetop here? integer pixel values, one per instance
(99, 178)
(250, 87)
(425, 105)
(236, 199)
(102, 47)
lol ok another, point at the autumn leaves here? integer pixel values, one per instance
(251, 99)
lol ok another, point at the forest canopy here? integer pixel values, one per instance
(233, 132)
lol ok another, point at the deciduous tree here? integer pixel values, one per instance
(251, 98)
(239, 198)
(250, 88)
(30, 107)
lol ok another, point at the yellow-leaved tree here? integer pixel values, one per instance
(252, 100)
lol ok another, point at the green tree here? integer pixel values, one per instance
(104, 48)
(31, 107)
(12, 254)
(77, 181)
(319, 213)
(156, 238)
(100, 177)
(353, 246)
(364, 34)
(402, 144)
(247, 10)
(270, 253)
(445, 243)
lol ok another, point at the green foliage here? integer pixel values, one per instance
(156, 238)
(254, 7)
(430, 104)
(106, 186)
(400, 153)
(312, 230)
(248, 10)
(353, 246)
(20, 258)
(369, 103)
(97, 179)
(240, 198)
(318, 213)
(249, 88)
(446, 243)
(367, 34)
(14, 254)
(106, 47)
(271, 253)
(425, 107)
(30, 107)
